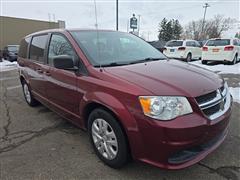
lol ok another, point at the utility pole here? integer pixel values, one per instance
(204, 16)
(139, 16)
(117, 15)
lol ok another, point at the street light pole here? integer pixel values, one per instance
(117, 15)
(204, 15)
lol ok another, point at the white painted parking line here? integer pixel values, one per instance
(8, 78)
(13, 87)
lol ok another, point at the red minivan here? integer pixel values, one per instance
(133, 101)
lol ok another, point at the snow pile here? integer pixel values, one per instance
(7, 65)
(235, 93)
(220, 68)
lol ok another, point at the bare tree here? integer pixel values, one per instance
(213, 28)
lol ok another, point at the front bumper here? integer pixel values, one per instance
(179, 143)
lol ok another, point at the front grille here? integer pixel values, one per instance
(216, 103)
(211, 110)
(206, 97)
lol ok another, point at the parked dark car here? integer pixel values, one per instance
(133, 101)
(10, 52)
(0, 55)
(159, 45)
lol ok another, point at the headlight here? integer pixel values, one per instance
(165, 107)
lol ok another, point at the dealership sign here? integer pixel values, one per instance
(133, 22)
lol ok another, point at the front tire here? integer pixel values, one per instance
(107, 138)
(28, 95)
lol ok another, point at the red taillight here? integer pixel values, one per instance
(228, 48)
(181, 48)
(204, 48)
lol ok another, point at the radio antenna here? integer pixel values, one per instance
(96, 25)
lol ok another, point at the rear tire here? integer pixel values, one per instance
(204, 62)
(235, 60)
(28, 95)
(189, 57)
(107, 138)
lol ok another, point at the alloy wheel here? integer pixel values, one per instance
(104, 138)
(27, 93)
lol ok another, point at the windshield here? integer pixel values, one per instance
(13, 48)
(110, 47)
(218, 42)
(174, 43)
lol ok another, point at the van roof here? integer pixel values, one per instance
(64, 30)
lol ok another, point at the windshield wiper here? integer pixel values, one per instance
(127, 63)
(147, 60)
(112, 64)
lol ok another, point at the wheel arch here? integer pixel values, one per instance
(116, 108)
(95, 105)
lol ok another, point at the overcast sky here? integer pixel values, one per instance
(81, 14)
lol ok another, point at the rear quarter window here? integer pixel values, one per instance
(190, 43)
(37, 48)
(218, 42)
(23, 50)
(174, 43)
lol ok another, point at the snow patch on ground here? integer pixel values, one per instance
(235, 93)
(7, 65)
(220, 68)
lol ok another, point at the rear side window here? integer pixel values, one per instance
(23, 50)
(37, 48)
(190, 43)
(218, 42)
(174, 43)
(13, 48)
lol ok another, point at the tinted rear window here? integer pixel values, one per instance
(218, 42)
(23, 50)
(13, 48)
(37, 47)
(174, 43)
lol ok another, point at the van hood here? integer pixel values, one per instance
(169, 77)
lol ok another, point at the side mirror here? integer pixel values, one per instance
(64, 62)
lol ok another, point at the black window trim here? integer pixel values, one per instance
(83, 70)
(46, 46)
(28, 48)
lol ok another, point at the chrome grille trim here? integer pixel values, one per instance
(226, 108)
(222, 96)
(212, 102)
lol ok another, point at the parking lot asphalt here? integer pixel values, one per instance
(36, 143)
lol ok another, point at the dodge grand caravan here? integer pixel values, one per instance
(134, 102)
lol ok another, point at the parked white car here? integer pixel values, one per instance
(183, 49)
(227, 50)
